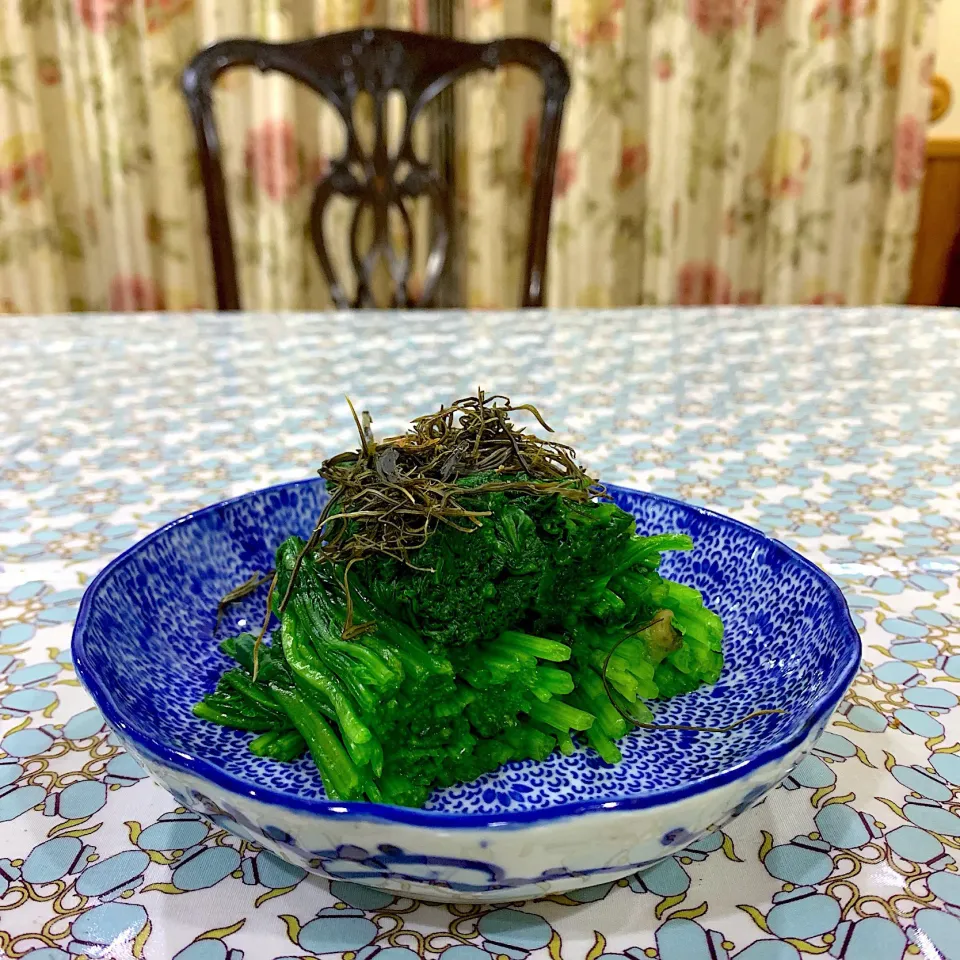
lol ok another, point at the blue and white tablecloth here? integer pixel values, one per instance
(838, 431)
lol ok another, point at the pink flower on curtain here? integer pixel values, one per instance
(161, 12)
(890, 60)
(566, 172)
(749, 298)
(92, 224)
(272, 160)
(48, 71)
(926, 67)
(601, 30)
(909, 147)
(700, 282)
(420, 15)
(833, 17)
(606, 28)
(134, 292)
(24, 166)
(785, 164)
(663, 65)
(595, 23)
(715, 17)
(634, 161)
(100, 14)
(826, 299)
(768, 13)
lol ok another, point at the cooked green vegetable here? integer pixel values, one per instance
(467, 599)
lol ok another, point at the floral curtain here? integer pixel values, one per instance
(714, 151)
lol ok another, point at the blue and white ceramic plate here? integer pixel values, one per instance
(144, 648)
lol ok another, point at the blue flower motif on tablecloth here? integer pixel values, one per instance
(856, 551)
(918, 635)
(117, 876)
(13, 519)
(207, 948)
(794, 516)
(17, 673)
(333, 931)
(86, 539)
(32, 604)
(105, 929)
(100, 497)
(166, 510)
(858, 603)
(861, 717)
(683, 939)
(816, 406)
(665, 879)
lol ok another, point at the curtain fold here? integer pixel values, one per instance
(714, 151)
(717, 151)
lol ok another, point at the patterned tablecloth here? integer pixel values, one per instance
(838, 431)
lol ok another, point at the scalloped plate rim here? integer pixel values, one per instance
(162, 753)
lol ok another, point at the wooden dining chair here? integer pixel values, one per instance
(342, 67)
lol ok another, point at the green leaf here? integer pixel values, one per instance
(69, 243)
(562, 233)
(655, 245)
(31, 11)
(8, 69)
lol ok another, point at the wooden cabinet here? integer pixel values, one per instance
(939, 222)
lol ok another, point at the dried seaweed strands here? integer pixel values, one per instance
(390, 495)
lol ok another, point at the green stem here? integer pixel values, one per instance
(530, 743)
(279, 745)
(254, 692)
(561, 716)
(288, 747)
(539, 647)
(641, 549)
(558, 682)
(340, 777)
(226, 718)
(598, 703)
(313, 673)
(608, 750)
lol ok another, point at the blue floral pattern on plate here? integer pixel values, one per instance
(789, 644)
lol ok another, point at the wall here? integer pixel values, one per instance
(948, 67)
